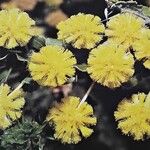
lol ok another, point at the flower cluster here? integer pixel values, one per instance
(52, 66)
(70, 119)
(110, 66)
(142, 51)
(10, 105)
(16, 28)
(82, 30)
(131, 33)
(114, 48)
(124, 29)
(134, 116)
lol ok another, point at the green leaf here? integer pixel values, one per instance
(4, 75)
(38, 42)
(81, 67)
(51, 41)
(146, 11)
(20, 134)
(133, 7)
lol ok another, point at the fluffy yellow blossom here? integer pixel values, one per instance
(124, 29)
(82, 30)
(133, 116)
(16, 28)
(147, 63)
(10, 105)
(145, 33)
(52, 66)
(70, 120)
(142, 51)
(110, 66)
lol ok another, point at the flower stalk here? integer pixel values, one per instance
(86, 94)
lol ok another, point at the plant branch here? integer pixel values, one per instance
(86, 94)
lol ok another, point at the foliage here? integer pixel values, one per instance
(24, 135)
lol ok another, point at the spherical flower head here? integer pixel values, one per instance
(82, 30)
(16, 28)
(52, 66)
(110, 66)
(142, 51)
(71, 121)
(10, 105)
(133, 116)
(124, 29)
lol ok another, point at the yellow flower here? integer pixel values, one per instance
(147, 63)
(145, 33)
(82, 30)
(110, 66)
(10, 105)
(52, 66)
(124, 29)
(16, 28)
(142, 51)
(70, 120)
(134, 116)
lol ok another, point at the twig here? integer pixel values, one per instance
(18, 87)
(86, 94)
(9, 71)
